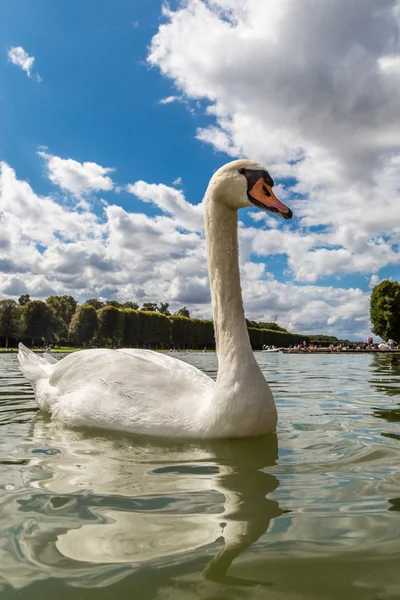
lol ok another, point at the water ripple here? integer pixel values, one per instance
(311, 512)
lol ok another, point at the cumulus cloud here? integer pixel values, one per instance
(375, 279)
(75, 177)
(18, 56)
(169, 99)
(311, 90)
(309, 75)
(170, 201)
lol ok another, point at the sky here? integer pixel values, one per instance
(114, 114)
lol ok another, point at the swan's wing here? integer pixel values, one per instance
(131, 390)
(49, 358)
(139, 372)
(33, 366)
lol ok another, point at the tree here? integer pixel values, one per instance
(270, 325)
(149, 306)
(154, 328)
(95, 302)
(130, 328)
(110, 321)
(183, 312)
(163, 308)
(84, 324)
(10, 319)
(385, 310)
(256, 337)
(39, 321)
(24, 299)
(63, 306)
(180, 331)
(132, 305)
(113, 303)
(207, 337)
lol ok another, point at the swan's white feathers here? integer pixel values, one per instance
(129, 389)
(33, 366)
(49, 358)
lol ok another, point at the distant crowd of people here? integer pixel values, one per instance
(368, 345)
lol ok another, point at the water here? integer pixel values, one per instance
(310, 513)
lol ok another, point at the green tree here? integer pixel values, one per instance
(63, 306)
(83, 325)
(256, 337)
(113, 303)
(270, 325)
(273, 337)
(252, 324)
(144, 327)
(160, 330)
(154, 329)
(180, 331)
(130, 328)
(40, 322)
(163, 308)
(149, 306)
(183, 312)
(385, 310)
(110, 321)
(195, 333)
(132, 305)
(24, 299)
(207, 338)
(10, 319)
(95, 302)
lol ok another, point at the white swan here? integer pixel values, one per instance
(150, 393)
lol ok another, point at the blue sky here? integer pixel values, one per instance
(166, 97)
(99, 101)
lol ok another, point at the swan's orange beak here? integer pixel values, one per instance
(261, 195)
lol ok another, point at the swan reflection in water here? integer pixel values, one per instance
(103, 506)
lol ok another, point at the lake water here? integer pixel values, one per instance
(313, 512)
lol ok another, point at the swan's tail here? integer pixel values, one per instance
(35, 367)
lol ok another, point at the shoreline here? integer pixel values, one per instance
(335, 351)
(283, 351)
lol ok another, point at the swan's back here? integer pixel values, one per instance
(129, 389)
(141, 373)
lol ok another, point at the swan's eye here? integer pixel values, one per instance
(265, 190)
(242, 171)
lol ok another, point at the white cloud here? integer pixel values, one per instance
(170, 201)
(311, 90)
(32, 219)
(375, 279)
(169, 99)
(18, 56)
(285, 79)
(75, 177)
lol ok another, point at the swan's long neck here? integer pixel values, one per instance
(242, 403)
(231, 336)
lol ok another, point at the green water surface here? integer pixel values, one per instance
(312, 512)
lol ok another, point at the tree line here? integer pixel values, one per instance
(59, 320)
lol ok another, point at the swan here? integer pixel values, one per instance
(145, 392)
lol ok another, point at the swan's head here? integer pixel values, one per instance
(243, 183)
